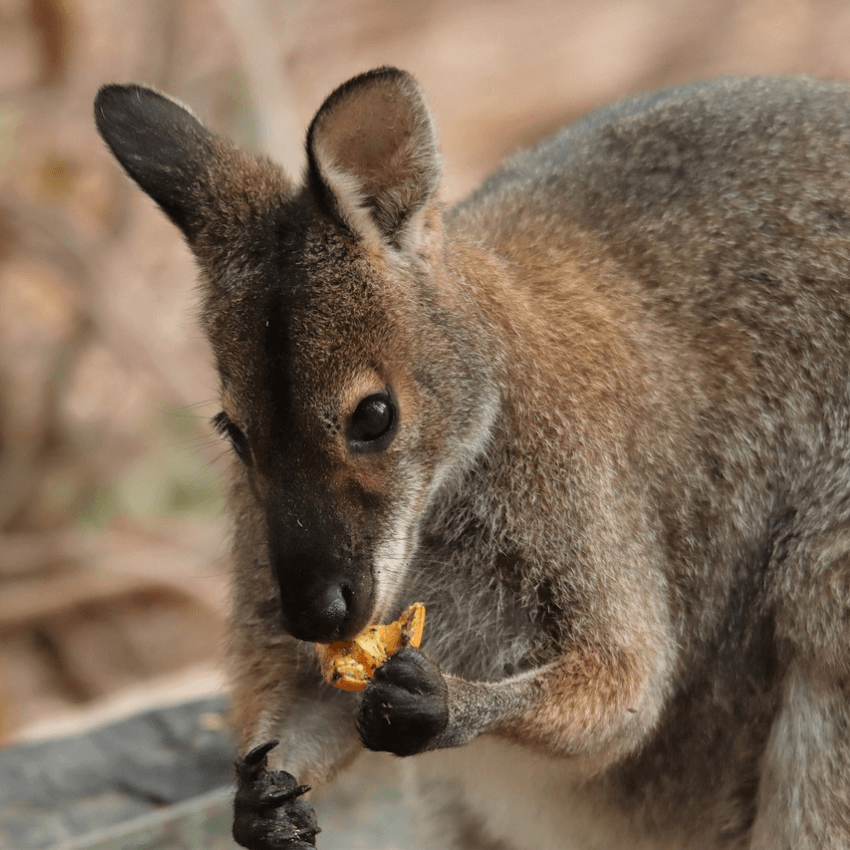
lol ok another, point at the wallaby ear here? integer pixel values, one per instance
(372, 154)
(160, 144)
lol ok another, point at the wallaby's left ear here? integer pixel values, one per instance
(160, 144)
(372, 155)
(208, 187)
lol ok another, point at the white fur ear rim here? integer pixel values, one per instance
(349, 195)
(353, 206)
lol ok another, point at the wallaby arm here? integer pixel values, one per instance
(589, 704)
(584, 704)
(278, 695)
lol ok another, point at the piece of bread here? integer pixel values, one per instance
(350, 664)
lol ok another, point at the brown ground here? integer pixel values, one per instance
(112, 545)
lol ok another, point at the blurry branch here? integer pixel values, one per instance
(266, 32)
(89, 353)
(52, 23)
(166, 14)
(32, 554)
(30, 438)
(52, 595)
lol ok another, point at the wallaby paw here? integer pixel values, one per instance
(405, 708)
(267, 811)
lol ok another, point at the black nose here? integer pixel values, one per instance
(325, 617)
(331, 608)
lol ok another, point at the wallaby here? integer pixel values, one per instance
(596, 417)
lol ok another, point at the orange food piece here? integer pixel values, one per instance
(351, 664)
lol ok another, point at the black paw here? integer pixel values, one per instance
(405, 707)
(267, 811)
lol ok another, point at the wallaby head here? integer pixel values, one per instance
(348, 394)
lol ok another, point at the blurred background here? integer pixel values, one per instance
(113, 539)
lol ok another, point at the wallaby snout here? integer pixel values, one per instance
(326, 592)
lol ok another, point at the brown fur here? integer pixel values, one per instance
(620, 479)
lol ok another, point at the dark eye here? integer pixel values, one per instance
(238, 440)
(373, 423)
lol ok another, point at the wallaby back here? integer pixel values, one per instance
(595, 417)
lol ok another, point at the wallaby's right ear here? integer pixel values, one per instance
(161, 145)
(372, 156)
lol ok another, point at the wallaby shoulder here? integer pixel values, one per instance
(707, 153)
(723, 209)
(697, 234)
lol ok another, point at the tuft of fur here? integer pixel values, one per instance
(618, 472)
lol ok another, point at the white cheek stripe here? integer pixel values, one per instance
(392, 558)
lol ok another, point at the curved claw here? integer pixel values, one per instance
(269, 812)
(308, 832)
(279, 796)
(257, 755)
